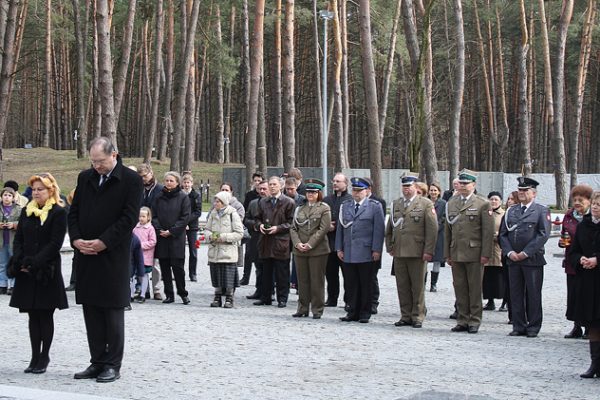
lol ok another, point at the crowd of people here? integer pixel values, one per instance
(295, 237)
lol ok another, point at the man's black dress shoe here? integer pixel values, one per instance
(517, 333)
(108, 375)
(244, 281)
(261, 303)
(364, 320)
(316, 316)
(253, 296)
(473, 329)
(330, 303)
(417, 325)
(300, 314)
(70, 288)
(282, 304)
(459, 328)
(532, 334)
(454, 315)
(348, 318)
(186, 300)
(575, 333)
(90, 372)
(168, 300)
(193, 278)
(373, 310)
(403, 323)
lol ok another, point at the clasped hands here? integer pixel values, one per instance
(588, 263)
(89, 247)
(268, 231)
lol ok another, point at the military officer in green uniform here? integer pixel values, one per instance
(469, 235)
(410, 237)
(311, 249)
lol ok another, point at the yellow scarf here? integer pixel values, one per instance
(41, 213)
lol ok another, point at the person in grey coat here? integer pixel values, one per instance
(522, 237)
(359, 243)
(170, 216)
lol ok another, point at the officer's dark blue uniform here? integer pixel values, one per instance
(522, 236)
(359, 234)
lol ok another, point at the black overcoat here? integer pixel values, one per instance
(39, 246)
(171, 211)
(108, 213)
(585, 307)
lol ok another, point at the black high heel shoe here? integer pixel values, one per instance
(32, 365)
(41, 366)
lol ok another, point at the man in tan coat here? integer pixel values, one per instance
(410, 237)
(469, 236)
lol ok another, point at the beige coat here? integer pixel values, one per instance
(230, 229)
(310, 225)
(416, 228)
(496, 259)
(469, 231)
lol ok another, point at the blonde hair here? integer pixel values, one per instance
(422, 187)
(49, 182)
(148, 211)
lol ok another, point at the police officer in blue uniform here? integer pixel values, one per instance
(359, 243)
(522, 237)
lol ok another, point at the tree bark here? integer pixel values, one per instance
(523, 104)
(167, 121)
(181, 84)
(158, 42)
(289, 101)
(372, 110)
(105, 77)
(220, 131)
(49, 79)
(459, 89)
(121, 73)
(318, 94)
(503, 127)
(387, 78)
(558, 141)
(255, 68)
(584, 59)
(80, 42)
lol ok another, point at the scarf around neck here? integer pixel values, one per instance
(41, 213)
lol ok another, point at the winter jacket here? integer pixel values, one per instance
(230, 229)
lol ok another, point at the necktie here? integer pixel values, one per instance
(103, 179)
(273, 201)
(464, 201)
(356, 208)
(523, 209)
(406, 203)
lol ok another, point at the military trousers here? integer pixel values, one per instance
(410, 275)
(467, 278)
(311, 283)
(526, 297)
(359, 278)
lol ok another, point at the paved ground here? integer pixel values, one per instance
(176, 352)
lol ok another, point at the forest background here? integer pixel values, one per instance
(502, 85)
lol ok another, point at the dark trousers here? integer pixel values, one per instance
(375, 289)
(258, 268)
(526, 297)
(106, 334)
(360, 288)
(176, 265)
(73, 279)
(506, 298)
(332, 274)
(192, 236)
(280, 269)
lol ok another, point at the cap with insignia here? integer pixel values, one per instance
(527, 183)
(408, 178)
(313, 185)
(467, 176)
(359, 183)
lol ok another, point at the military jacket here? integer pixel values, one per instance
(310, 225)
(360, 234)
(412, 232)
(526, 233)
(469, 231)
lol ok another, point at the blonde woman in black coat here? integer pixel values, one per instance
(39, 287)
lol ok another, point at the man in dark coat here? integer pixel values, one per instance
(101, 219)
(334, 264)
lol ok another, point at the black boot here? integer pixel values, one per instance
(228, 301)
(217, 301)
(434, 279)
(490, 306)
(594, 369)
(575, 333)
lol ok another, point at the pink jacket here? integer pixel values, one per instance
(147, 236)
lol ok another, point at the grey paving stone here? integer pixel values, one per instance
(248, 352)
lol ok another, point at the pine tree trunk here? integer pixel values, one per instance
(459, 90)
(338, 114)
(558, 141)
(277, 135)
(167, 122)
(220, 131)
(503, 128)
(105, 77)
(523, 105)
(288, 99)
(255, 74)
(121, 72)
(372, 110)
(80, 41)
(318, 94)
(158, 42)
(48, 94)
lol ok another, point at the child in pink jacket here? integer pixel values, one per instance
(145, 232)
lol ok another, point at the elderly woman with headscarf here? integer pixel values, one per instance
(224, 230)
(493, 283)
